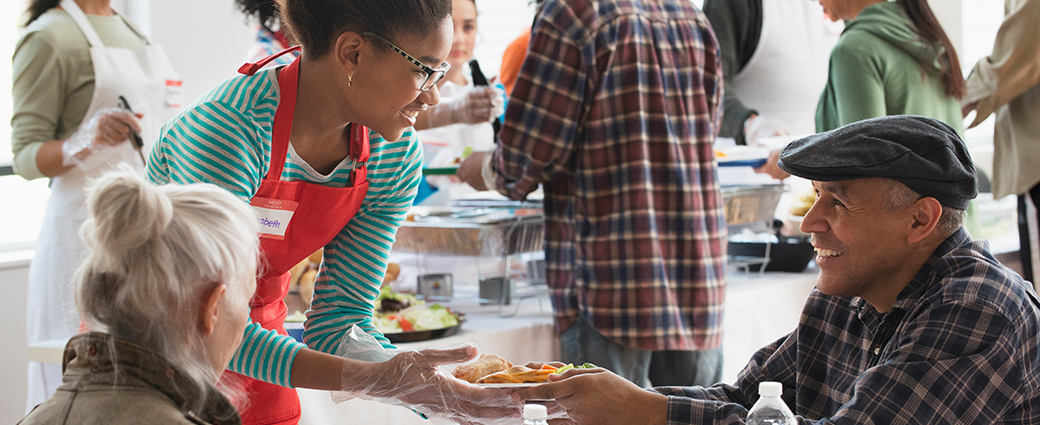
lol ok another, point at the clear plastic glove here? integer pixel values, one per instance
(759, 126)
(478, 105)
(106, 129)
(411, 379)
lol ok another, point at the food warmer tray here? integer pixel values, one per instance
(473, 232)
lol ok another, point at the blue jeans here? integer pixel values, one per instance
(581, 343)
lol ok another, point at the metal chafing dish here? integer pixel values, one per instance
(475, 228)
(482, 228)
(751, 205)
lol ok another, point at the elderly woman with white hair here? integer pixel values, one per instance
(165, 285)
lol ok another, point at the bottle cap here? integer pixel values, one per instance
(535, 412)
(770, 389)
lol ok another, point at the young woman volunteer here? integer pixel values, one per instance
(464, 115)
(77, 66)
(323, 150)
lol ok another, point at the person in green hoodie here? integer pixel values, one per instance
(893, 58)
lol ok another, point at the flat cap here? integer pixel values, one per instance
(925, 154)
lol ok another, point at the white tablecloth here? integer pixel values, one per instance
(760, 308)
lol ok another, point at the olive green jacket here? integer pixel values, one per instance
(142, 388)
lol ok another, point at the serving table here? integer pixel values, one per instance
(759, 309)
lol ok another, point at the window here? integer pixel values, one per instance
(498, 24)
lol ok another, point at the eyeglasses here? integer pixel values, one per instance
(433, 76)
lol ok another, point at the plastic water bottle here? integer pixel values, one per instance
(770, 409)
(535, 414)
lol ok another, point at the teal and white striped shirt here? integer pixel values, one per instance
(225, 138)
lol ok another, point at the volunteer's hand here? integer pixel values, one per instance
(478, 105)
(411, 379)
(760, 126)
(771, 168)
(597, 396)
(108, 127)
(471, 170)
(967, 108)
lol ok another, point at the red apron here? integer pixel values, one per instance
(316, 214)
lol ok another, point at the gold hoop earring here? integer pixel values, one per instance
(350, 80)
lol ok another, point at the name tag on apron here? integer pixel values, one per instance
(173, 93)
(274, 216)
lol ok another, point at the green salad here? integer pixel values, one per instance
(396, 312)
(570, 366)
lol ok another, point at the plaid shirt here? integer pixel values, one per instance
(959, 346)
(614, 111)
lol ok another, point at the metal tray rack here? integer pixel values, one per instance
(753, 207)
(479, 228)
(481, 234)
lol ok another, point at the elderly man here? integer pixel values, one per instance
(911, 320)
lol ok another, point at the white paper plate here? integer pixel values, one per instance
(521, 385)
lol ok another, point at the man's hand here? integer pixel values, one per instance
(597, 396)
(471, 170)
(771, 168)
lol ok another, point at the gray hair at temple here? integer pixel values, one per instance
(152, 253)
(899, 196)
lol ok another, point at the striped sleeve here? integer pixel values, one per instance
(215, 142)
(355, 261)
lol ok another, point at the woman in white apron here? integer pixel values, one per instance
(54, 77)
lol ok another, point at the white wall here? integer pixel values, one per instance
(206, 40)
(14, 273)
(498, 23)
(949, 14)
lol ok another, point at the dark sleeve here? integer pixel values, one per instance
(738, 26)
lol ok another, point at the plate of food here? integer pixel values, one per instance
(405, 318)
(490, 370)
(742, 156)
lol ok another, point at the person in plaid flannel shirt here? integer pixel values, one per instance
(614, 114)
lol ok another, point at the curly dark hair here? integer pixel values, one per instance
(316, 23)
(264, 11)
